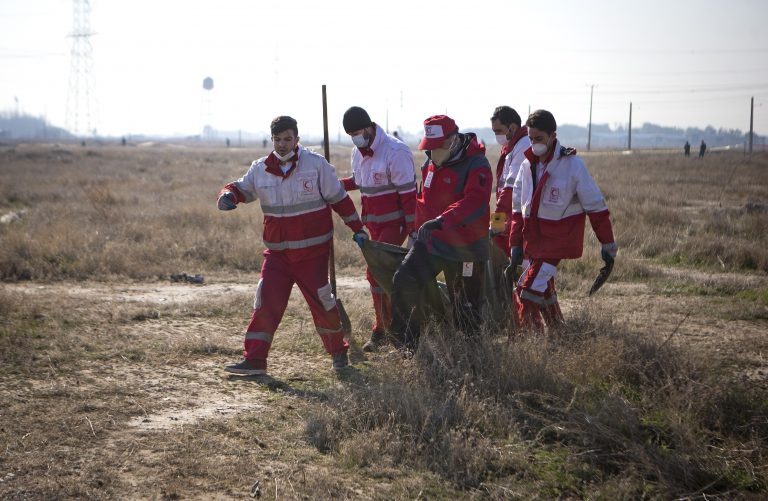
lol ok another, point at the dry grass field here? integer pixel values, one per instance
(110, 372)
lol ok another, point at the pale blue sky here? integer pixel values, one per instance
(681, 63)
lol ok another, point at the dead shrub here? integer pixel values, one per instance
(621, 401)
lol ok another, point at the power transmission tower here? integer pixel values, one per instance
(81, 106)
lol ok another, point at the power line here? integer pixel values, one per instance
(660, 51)
(662, 73)
(680, 101)
(687, 89)
(690, 89)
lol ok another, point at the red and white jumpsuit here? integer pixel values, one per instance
(298, 231)
(385, 175)
(458, 192)
(548, 220)
(512, 156)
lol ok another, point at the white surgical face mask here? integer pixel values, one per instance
(501, 139)
(360, 140)
(539, 149)
(285, 158)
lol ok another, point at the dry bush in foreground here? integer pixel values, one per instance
(592, 410)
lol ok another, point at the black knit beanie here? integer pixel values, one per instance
(356, 118)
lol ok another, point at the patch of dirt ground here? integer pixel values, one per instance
(169, 399)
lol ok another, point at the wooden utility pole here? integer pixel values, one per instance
(629, 147)
(751, 122)
(346, 324)
(589, 130)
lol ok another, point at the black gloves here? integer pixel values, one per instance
(426, 229)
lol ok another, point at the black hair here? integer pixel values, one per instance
(506, 115)
(542, 120)
(282, 124)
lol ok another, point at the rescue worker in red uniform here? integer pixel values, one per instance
(513, 138)
(382, 169)
(452, 213)
(297, 189)
(553, 195)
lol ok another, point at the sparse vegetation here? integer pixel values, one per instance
(147, 213)
(593, 411)
(110, 377)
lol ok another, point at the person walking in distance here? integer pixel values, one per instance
(452, 213)
(383, 171)
(552, 196)
(296, 189)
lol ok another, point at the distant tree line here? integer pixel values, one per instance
(19, 126)
(14, 126)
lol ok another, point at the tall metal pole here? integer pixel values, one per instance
(629, 147)
(589, 131)
(751, 122)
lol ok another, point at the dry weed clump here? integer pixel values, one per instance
(574, 411)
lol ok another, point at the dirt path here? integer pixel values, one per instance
(708, 323)
(152, 292)
(170, 391)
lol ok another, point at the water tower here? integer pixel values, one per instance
(207, 106)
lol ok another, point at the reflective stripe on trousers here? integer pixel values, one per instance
(535, 295)
(277, 279)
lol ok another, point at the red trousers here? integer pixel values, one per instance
(535, 296)
(272, 293)
(382, 307)
(502, 242)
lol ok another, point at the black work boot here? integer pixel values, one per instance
(340, 361)
(378, 339)
(254, 367)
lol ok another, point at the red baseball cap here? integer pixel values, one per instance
(436, 129)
